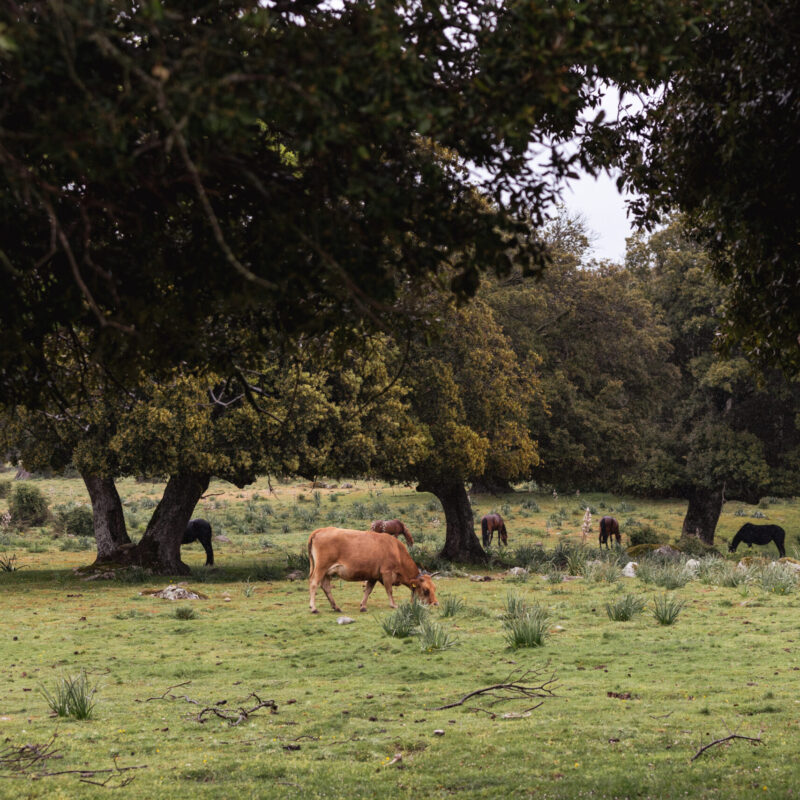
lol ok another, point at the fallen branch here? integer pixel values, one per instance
(512, 688)
(754, 739)
(171, 696)
(21, 759)
(237, 717)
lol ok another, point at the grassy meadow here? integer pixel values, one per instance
(356, 715)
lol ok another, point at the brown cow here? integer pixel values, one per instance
(393, 526)
(363, 556)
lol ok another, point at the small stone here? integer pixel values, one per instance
(438, 732)
(344, 620)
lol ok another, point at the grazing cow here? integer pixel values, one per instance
(363, 556)
(609, 529)
(759, 534)
(392, 526)
(491, 523)
(199, 530)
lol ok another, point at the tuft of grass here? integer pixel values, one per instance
(624, 609)
(72, 697)
(8, 563)
(450, 605)
(554, 576)
(515, 606)
(184, 612)
(528, 629)
(666, 609)
(605, 571)
(777, 578)
(298, 561)
(434, 637)
(248, 588)
(400, 623)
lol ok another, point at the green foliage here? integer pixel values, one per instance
(528, 628)
(5, 488)
(450, 605)
(603, 571)
(8, 563)
(184, 613)
(777, 578)
(625, 608)
(666, 609)
(28, 505)
(434, 637)
(640, 533)
(670, 575)
(72, 696)
(75, 521)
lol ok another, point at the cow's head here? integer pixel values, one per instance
(423, 589)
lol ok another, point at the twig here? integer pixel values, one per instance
(755, 739)
(20, 759)
(513, 686)
(166, 691)
(235, 718)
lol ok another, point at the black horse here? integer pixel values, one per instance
(199, 530)
(759, 534)
(609, 530)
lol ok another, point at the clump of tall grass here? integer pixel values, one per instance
(72, 696)
(602, 571)
(777, 578)
(530, 628)
(554, 575)
(434, 637)
(8, 563)
(515, 606)
(184, 613)
(666, 609)
(530, 556)
(450, 605)
(576, 560)
(298, 561)
(718, 572)
(405, 619)
(625, 608)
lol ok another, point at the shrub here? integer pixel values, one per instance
(624, 609)
(529, 629)
(531, 505)
(72, 697)
(79, 545)
(607, 571)
(576, 561)
(777, 578)
(434, 637)
(450, 605)
(639, 550)
(666, 609)
(554, 576)
(670, 576)
(8, 563)
(695, 546)
(5, 488)
(28, 505)
(641, 533)
(298, 561)
(75, 520)
(530, 556)
(184, 612)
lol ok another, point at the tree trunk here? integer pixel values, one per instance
(461, 543)
(160, 547)
(490, 484)
(107, 517)
(705, 506)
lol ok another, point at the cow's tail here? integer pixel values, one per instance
(311, 555)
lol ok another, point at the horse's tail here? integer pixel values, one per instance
(407, 534)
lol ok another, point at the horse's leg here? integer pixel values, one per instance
(503, 536)
(779, 544)
(368, 587)
(206, 542)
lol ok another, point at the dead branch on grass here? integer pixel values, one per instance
(512, 688)
(754, 739)
(22, 758)
(167, 696)
(236, 717)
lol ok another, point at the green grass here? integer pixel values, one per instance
(351, 697)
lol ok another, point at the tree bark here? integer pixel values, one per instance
(160, 547)
(107, 517)
(461, 543)
(490, 484)
(702, 515)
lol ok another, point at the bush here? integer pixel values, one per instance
(666, 609)
(639, 550)
(75, 520)
(184, 612)
(777, 578)
(28, 505)
(78, 545)
(72, 697)
(5, 488)
(298, 561)
(669, 576)
(624, 609)
(607, 571)
(641, 533)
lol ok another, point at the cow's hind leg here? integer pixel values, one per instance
(313, 583)
(325, 583)
(368, 587)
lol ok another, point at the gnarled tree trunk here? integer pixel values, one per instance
(107, 516)
(461, 543)
(702, 515)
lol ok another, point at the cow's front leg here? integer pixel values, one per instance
(387, 578)
(368, 587)
(326, 587)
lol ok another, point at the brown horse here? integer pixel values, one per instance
(392, 526)
(609, 529)
(491, 523)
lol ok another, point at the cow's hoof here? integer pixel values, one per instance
(315, 611)
(362, 610)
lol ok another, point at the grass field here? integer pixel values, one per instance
(356, 709)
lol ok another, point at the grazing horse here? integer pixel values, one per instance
(199, 530)
(394, 527)
(759, 534)
(609, 529)
(491, 523)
